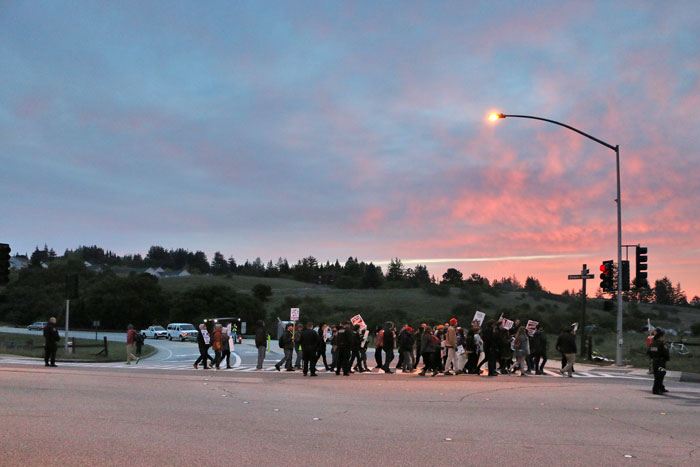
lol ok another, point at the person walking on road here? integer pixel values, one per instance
(286, 343)
(490, 348)
(659, 356)
(216, 344)
(430, 350)
(344, 342)
(297, 345)
(522, 349)
(226, 346)
(309, 340)
(451, 348)
(261, 343)
(406, 341)
(321, 354)
(566, 344)
(131, 336)
(51, 338)
(388, 345)
(203, 342)
(378, 342)
(538, 348)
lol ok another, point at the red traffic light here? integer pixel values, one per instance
(602, 268)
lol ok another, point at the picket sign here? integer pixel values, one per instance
(507, 324)
(531, 326)
(357, 319)
(294, 314)
(479, 317)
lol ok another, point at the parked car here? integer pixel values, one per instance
(38, 326)
(182, 331)
(154, 332)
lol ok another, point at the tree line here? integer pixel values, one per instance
(352, 274)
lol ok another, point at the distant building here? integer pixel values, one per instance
(19, 262)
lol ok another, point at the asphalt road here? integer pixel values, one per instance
(103, 416)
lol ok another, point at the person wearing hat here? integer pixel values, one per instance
(659, 356)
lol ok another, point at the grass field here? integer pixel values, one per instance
(418, 305)
(26, 345)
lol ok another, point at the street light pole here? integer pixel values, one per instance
(618, 346)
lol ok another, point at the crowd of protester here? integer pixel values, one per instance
(447, 349)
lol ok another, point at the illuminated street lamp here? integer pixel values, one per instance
(618, 354)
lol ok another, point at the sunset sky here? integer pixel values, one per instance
(355, 128)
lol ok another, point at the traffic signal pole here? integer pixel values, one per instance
(618, 353)
(616, 148)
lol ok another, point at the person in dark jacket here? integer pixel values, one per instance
(566, 344)
(355, 349)
(287, 345)
(538, 347)
(388, 346)
(406, 342)
(309, 340)
(261, 343)
(203, 342)
(418, 338)
(490, 348)
(659, 356)
(430, 350)
(343, 341)
(51, 338)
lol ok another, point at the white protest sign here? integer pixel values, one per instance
(507, 324)
(294, 315)
(479, 317)
(357, 319)
(531, 326)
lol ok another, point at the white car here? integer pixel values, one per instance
(182, 332)
(154, 332)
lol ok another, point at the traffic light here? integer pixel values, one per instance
(4, 263)
(606, 275)
(625, 275)
(641, 264)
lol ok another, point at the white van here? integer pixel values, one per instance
(182, 331)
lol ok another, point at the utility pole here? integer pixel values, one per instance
(584, 275)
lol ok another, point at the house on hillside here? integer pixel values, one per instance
(95, 267)
(19, 262)
(182, 273)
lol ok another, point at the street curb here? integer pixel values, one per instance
(687, 377)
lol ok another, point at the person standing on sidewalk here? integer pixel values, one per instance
(286, 343)
(131, 336)
(51, 338)
(566, 344)
(659, 356)
(261, 343)
(309, 340)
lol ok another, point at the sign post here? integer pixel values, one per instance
(583, 276)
